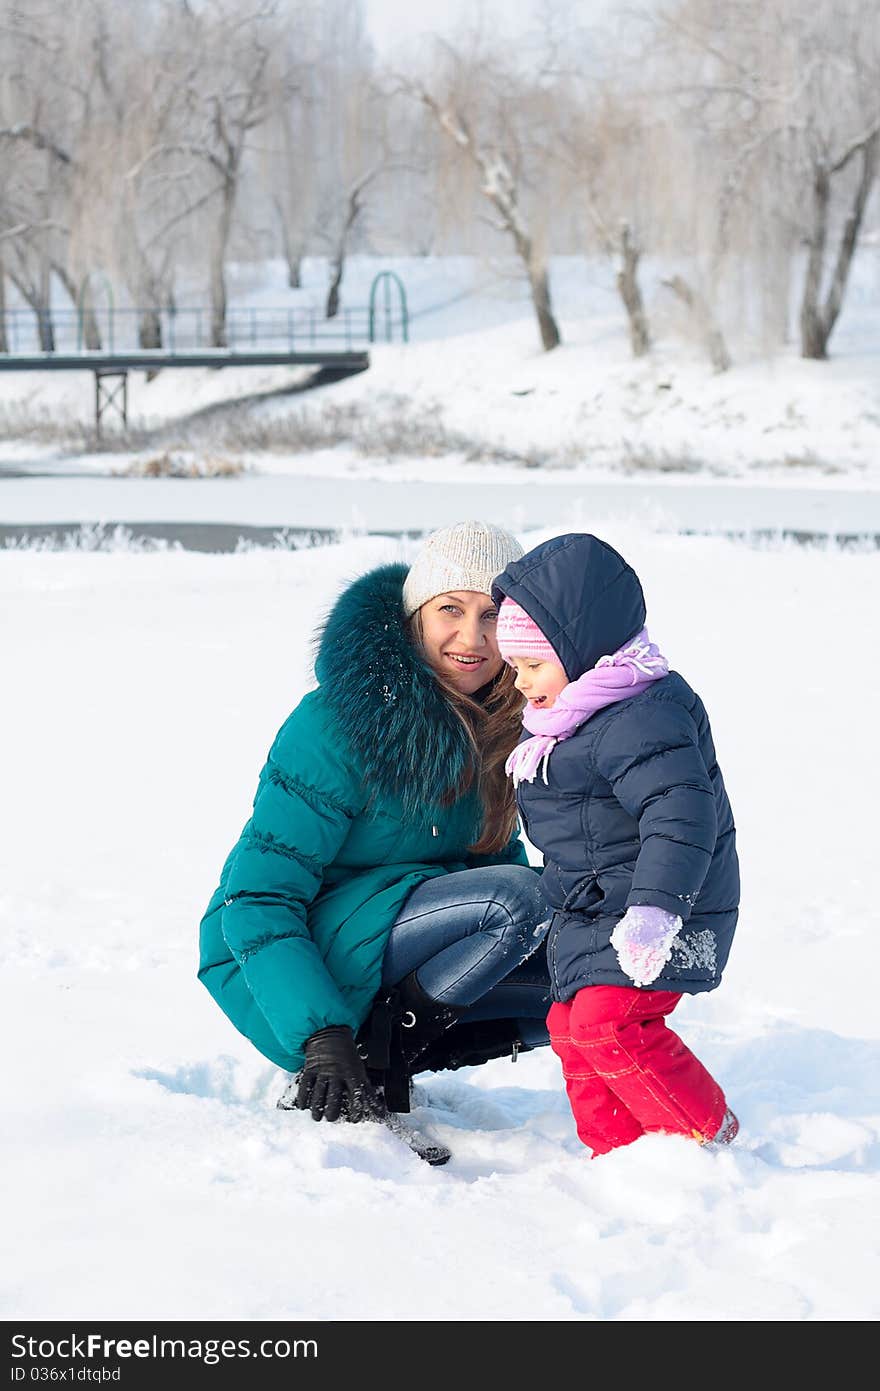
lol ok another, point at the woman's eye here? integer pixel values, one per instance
(448, 608)
(491, 617)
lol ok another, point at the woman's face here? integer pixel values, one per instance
(458, 638)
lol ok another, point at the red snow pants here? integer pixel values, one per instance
(626, 1072)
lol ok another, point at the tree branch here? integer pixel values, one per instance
(38, 139)
(48, 224)
(870, 134)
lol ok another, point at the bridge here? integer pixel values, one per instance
(111, 342)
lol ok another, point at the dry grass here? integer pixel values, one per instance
(181, 465)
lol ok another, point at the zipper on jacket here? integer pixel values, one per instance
(554, 978)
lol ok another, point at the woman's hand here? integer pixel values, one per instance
(643, 940)
(334, 1082)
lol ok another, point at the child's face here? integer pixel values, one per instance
(539, 682)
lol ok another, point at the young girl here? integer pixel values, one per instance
(618, 785)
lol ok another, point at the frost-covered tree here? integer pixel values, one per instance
(781, 100)
(491, 113)
(219, 61)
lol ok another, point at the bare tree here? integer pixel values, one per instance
(4, 336)
(819, 313)
(786, 97)
(354, 146)
(294, 198)
(117, 216)
(32, 227)
(64, 135)
(288, 153)
(352, 212)
(601, 142)
(707, 325)
(480, 106)
(630, 291)
(223, 49)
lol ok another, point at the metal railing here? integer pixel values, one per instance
(187, 329)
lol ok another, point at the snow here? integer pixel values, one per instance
(147, 1170)
(153, 1176)
(473, 386)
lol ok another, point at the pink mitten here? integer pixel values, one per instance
(643, 941)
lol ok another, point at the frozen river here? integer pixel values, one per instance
(211, 514)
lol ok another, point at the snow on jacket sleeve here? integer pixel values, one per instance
(652, 759)
(306, 800)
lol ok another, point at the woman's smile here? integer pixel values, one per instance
(468, 617)
(465, 659)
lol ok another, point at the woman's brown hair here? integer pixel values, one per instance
(493, 725)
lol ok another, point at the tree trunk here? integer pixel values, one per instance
(292, 253)
(45, 327)
(813, 339)
(91, 333)
(218, 266)
(43, 312)
(218, 301)
(713, 338)
(337, 267)
(4, 337)
(150, 336)
(32, 296)
(817, 324)
(539, 281)
(150, 328)
(540, 287)
(631, 294)
(43, 307)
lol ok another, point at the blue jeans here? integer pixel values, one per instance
(476, 940)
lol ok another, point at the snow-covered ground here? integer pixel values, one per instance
(146, 1170)
(150, 1174)
(473, 391)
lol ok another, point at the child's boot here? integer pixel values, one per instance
(726, 1132)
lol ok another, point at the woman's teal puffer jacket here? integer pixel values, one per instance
(347, 820)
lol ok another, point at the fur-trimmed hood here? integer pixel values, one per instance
(386, 698)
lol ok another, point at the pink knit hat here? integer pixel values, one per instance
(518, 635)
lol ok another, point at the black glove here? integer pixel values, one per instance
(334, 1080)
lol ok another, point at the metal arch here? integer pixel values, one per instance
(387, 278)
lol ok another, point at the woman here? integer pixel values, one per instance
(373, 918)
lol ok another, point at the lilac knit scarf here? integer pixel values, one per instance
(620, 676)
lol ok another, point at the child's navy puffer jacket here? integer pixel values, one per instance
(634, 810)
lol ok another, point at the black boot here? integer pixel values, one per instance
(422, 1019)
(470, 1044)
(401, 1026)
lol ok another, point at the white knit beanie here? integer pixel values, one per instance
(469, 555)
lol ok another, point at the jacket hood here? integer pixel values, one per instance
(386, 698)
(584, 597)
